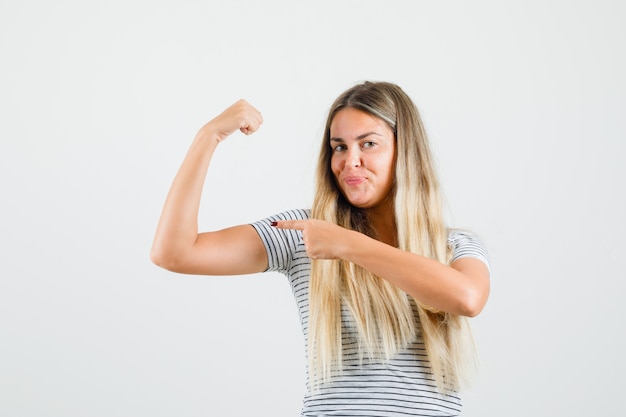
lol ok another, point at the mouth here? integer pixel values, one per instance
(354, 181)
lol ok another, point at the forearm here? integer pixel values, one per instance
(428, 281)
(178, 226)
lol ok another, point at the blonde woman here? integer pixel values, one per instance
(383, 287)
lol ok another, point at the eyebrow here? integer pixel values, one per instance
(362, 136)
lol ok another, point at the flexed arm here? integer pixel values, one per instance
(177, 245)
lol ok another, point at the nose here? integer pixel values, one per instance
(353, 157)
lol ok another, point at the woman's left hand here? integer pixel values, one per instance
(322, 239)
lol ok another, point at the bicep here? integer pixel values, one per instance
(236, 250)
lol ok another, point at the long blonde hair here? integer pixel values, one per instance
(384, 314)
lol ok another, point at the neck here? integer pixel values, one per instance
(382, 220)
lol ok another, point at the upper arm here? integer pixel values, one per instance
(236, 250)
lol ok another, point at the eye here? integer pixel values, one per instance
(338, 148)
(368, 144)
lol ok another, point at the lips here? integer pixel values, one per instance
(353, 180)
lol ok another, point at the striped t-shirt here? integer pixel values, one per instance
(403, 386)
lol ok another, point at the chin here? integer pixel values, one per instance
(360, 203)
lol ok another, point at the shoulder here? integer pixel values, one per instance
(281, 244)
(464, 243)
(296, 214)
(267, 232)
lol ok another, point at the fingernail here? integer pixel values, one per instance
(274, 223)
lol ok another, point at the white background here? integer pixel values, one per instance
(524, 103)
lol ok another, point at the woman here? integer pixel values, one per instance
(383, 287)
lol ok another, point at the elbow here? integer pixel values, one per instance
(471, 310)
(472, 303)
(158, 257)
(164, 258)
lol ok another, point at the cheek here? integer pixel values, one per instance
(384, 164)
(387, 170)
(335, 165)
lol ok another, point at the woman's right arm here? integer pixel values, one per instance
(177, 245)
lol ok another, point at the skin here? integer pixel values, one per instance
(363, 165)
(363, 160)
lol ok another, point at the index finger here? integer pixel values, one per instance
(290, 224)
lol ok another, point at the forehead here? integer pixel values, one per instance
(349, 122)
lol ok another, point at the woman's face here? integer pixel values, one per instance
(363, 157)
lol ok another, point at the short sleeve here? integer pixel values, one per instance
(280, 244)
(464, 244)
